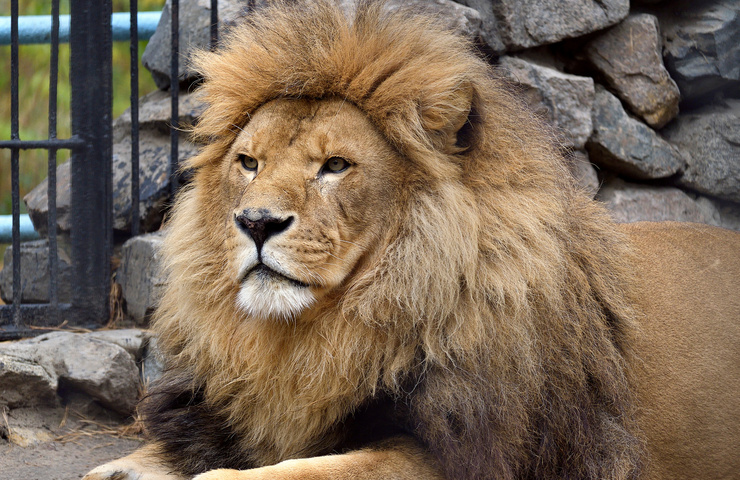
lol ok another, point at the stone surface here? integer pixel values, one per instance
(194, 33)
(564, 100)
(626, 145)
(489, 30)
(583, 171)
(153, 364)
(97, 368)
(458, 17)
(528, 23)
(711, 137)
(154, 184)
(723, 214)
(154, 178)
(628, 55)
(24, 382)
(140, 275)
(155, 110)
(35, 274)
(38, 207)
(132, 340)
(635, 203)
(702, 46)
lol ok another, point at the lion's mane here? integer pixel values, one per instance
(495, 318)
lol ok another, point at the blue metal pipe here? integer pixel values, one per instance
(37, 28)
(6, 229)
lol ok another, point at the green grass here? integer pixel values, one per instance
(33, 93)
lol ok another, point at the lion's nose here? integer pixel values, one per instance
(261, 224)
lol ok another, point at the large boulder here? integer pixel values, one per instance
(711, 137)
(97, 368)
(628, 55)
(702, 46)
(626, 145)
(564, 100)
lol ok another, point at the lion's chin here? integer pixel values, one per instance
(273, 297)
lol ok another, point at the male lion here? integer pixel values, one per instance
(382, 269)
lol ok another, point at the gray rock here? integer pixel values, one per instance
(154, 184)
(140, 275)
(723, 214)
(626, 145)
(194, 33)
(628, 55)
(153, 364)
(564, 100)
(35, 274)
(155, 111)
(154, 178)
(38, 205)
(25, 383)
(528, 23)
(702, 46)
(711, 137)
(489, 30)
(100, 369)
(462, 19)
(132, 340)
(636, 203)
(584, 172)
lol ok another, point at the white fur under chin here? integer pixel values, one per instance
(273, 298)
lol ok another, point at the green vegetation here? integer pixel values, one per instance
(33, 92)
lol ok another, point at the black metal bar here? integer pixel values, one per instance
(15, 164)
(134, 118)
(214, 24)
(174, 93)
(58, 144)
(91, 82)
(38, 315)
(52, 166)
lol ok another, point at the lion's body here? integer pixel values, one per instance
(381, 254)
(688, 376)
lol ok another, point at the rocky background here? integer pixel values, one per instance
(646, 97)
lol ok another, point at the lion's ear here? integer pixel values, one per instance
(446, 117)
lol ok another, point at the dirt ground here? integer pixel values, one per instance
(61, 443)
(61, 460)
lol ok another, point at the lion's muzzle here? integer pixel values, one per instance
(261, 224)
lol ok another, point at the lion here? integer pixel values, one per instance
(383, 269)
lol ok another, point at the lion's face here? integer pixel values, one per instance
(310, 184)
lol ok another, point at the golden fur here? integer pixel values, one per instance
(455, 272)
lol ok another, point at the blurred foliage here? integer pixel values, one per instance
(33, 90)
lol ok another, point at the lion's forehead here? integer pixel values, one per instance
(309, 129)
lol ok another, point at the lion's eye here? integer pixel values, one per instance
(335, 165)
(248, 163)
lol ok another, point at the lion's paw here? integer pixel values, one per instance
(103, 473)
(124, 469)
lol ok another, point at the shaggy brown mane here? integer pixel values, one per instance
(494, 317)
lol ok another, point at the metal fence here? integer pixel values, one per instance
(91, 235)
